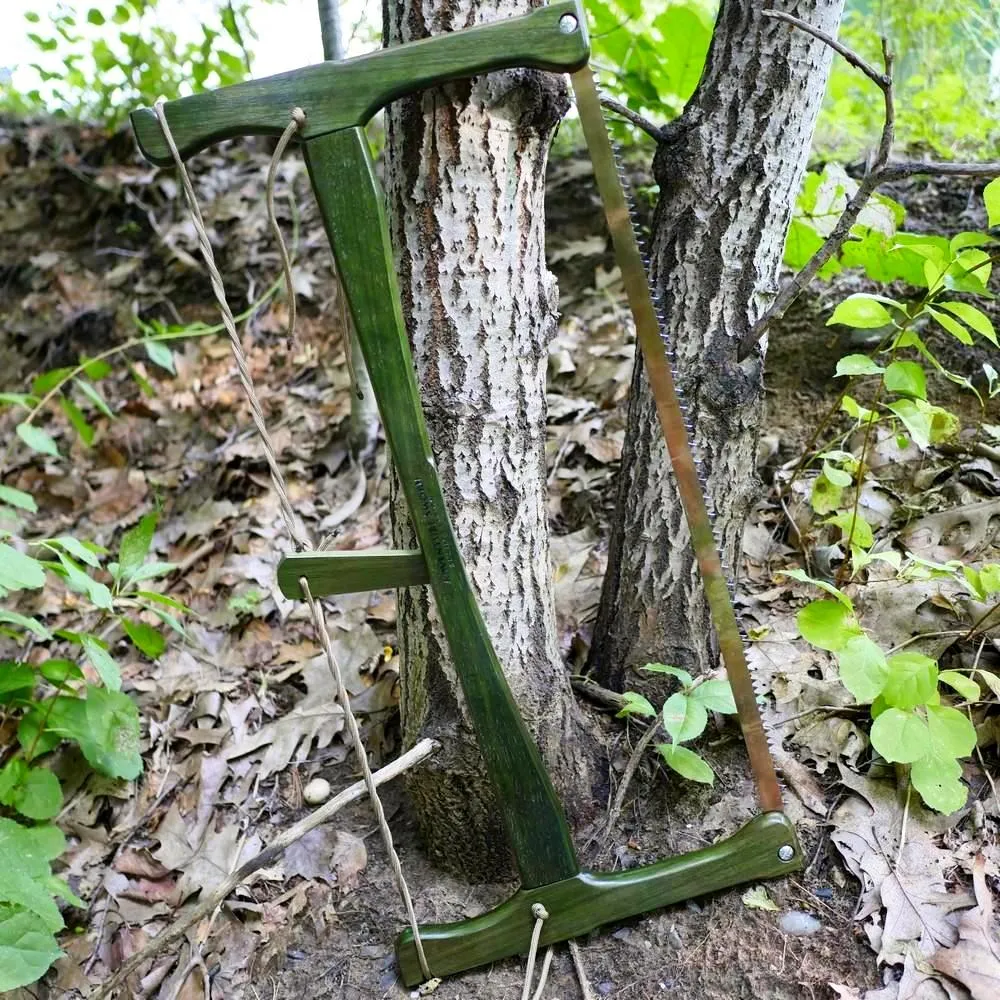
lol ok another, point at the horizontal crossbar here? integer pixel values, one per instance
(350, 572)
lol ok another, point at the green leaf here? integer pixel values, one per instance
(991, 196)
(25, 853)
(160, 355)
(686, 763)
(839, 477)
(87, 553)
(18, 571)
(952, 733)
(37, 439)
(965, 686)
(827, 624)
(38, 796)
(27, 948)
(854, 528)
(151, 570)
(59, 671)
(17, 399)
(635, 704)
(76, 417)
(825, 495)
(151, 642)
(855, 410)
(900, 737)
(716, 696)
(858, 364)
(83, 583)
(15, 677)
(912, 680)
(111, 742)
(32, 625)
(863, 668)
(18, 498)
(989, 578)
(974, 318)
(95, 397)
(684, 718)
(952, 325)
(862, 311)
(662, 668)
(135, 546)
(803, 577)
(926, 424)
(102, 662)
(938, 780)
(49, 380)
(758, 899)
(906, 377)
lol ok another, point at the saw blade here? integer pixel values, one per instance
(651, 336)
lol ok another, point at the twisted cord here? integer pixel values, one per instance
(541, 915)
(299, 538)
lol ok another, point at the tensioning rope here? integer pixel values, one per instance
(297, 535)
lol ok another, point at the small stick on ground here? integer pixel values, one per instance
(581, 972)
(616, 807)
(295, 832)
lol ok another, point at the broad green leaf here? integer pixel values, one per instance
(160, 355)
(991, 196)
(862, 668)
(900, 737)
(861, 311)
(827, 624)
(635, 704)
(964, 685)
(854, 528)
(170, 602)
(974, 582)
(758, 899)
(686, 763)
(684, 718)
(858, 364)
(32, 625)
(38, 796)
(974, 318)
(27, 948)
(102, 662)
(148, 640)
(37, 439)
(855, 410)
(803, 577)
(938, 780)
(86, 553)
(716, 696)
(825, 495)
(25, 853)
(971, 271)
(906, 377)
(36, 741)
(135, 546)
(951, 731)
(926, 424)
(15, 677)
(962, 240)
(839, 477)
(151, 570)
(662, 668)
(49, 380)
(111, 743)
(989, 578)
(83, 583)
(18, 571)
(912, 680)
(18, 498)
(952, 325)
(96, 370)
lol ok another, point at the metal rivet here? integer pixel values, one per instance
(568, 24)
(786, 852)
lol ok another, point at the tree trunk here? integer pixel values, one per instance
(729, 171)
(465, 170)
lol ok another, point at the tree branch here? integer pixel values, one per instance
(879, 172)
(272, 852)
(653, 131)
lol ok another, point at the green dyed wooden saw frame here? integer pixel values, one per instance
(338, 99)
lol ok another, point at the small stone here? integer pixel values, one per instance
(317, 791)
(797, 922)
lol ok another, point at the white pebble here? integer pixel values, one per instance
(797, 922)
(317, 791)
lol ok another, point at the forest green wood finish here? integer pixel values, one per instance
(350, 203)
(589, 900)
(350, 572)
(337, 95)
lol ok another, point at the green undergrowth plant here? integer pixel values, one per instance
(64, 688)
(921, 715)
(683, 717)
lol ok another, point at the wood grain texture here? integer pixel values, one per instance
(350, 572)
(589, 900)
(345, 94)
(355, 222)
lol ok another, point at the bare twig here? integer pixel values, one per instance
(653, 131)
(599, 695)
(909, 168)
(581, 972)
(295, 832)
(616, 807)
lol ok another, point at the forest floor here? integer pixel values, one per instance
(893, 903)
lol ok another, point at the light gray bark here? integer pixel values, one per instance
(465, 170)
(728, 172)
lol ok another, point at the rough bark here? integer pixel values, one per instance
(729, 170)
(465, 170)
